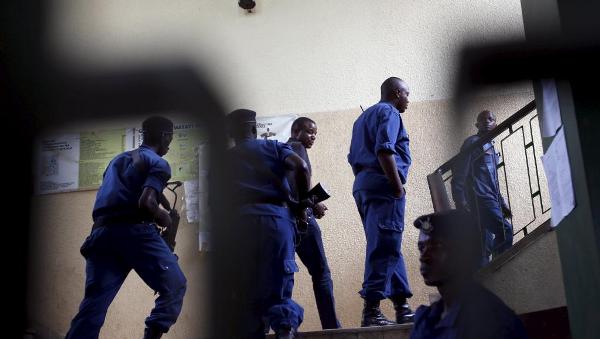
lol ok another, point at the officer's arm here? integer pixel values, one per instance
(294, 163)
(388, 164)
(460, 170)
(149, 202)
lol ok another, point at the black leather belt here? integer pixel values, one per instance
(119, 219)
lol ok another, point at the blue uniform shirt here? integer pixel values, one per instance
(476, 177)
(253, 159)
(123, 183)
(379, 128)
(477, 314)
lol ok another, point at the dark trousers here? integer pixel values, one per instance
(268, 263)
(311, 253)
(383, 221)
(497, 232)
(111, 253)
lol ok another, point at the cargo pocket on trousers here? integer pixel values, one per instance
(290, 267)
(287, 283)
(392, 215)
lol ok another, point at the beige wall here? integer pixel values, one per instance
(532, 280)
(289, 56)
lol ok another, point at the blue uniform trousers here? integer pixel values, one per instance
(269, 262)
(383, 221)
(311, 253)
(111, 252)
(492, 222)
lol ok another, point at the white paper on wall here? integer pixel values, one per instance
(558, 173)
(57, 163)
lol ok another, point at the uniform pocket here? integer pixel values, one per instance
(391, 214)
(91, 242)
(290, 267)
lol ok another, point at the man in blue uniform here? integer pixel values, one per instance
(380, 158)
(449, 247)
(310, 249)
(125, 237)
(475, 188)
(266, 225)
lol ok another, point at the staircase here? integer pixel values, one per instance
(380, 332)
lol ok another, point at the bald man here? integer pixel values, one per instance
(380, 159)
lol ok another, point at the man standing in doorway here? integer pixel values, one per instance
(310, 249)
(380, 159)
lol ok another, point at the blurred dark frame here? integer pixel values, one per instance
(37, 92)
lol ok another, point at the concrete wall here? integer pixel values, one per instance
(316, 58)
(532, 280)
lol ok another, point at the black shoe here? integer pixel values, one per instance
(403, 312)
(285, 332)
(152, 333)
(372, 315)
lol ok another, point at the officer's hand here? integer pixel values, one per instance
(319, 210)
(506, 212)
(163, 218)
(399, 192)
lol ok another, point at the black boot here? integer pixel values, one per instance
(285, 332)
(152, 333)
(372, 315)
(403, 312)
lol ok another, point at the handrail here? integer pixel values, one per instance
(506, 124)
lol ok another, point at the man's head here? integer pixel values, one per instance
(158, 133)
(241, 124)
(395, 91)
(304, 130)
(486, 121)
(449, 246)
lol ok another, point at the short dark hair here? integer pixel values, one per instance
(389, 86)
(300, 122)
(154, 127)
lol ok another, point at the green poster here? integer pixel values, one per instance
(97, 148)
(183, 152)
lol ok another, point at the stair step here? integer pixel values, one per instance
(376, 332)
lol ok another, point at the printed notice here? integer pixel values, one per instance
(57, 165)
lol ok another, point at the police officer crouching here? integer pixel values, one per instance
(125, 237)
(450, 252)
(265, 221)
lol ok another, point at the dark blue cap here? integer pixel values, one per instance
(452, 225)
(241, 116)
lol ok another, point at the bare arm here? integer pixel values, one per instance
(149, 202)
(388, 164)
(302, 176)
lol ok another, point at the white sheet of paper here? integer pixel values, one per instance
(551, 121)
(275, 128)
(558, 173)
(57, 163)
(191, 200)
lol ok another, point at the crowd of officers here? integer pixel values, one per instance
(277, 214)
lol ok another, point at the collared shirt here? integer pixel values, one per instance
(477, 314)
(475, 176)
(260, 170)
(123, 183)
(378, 129)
